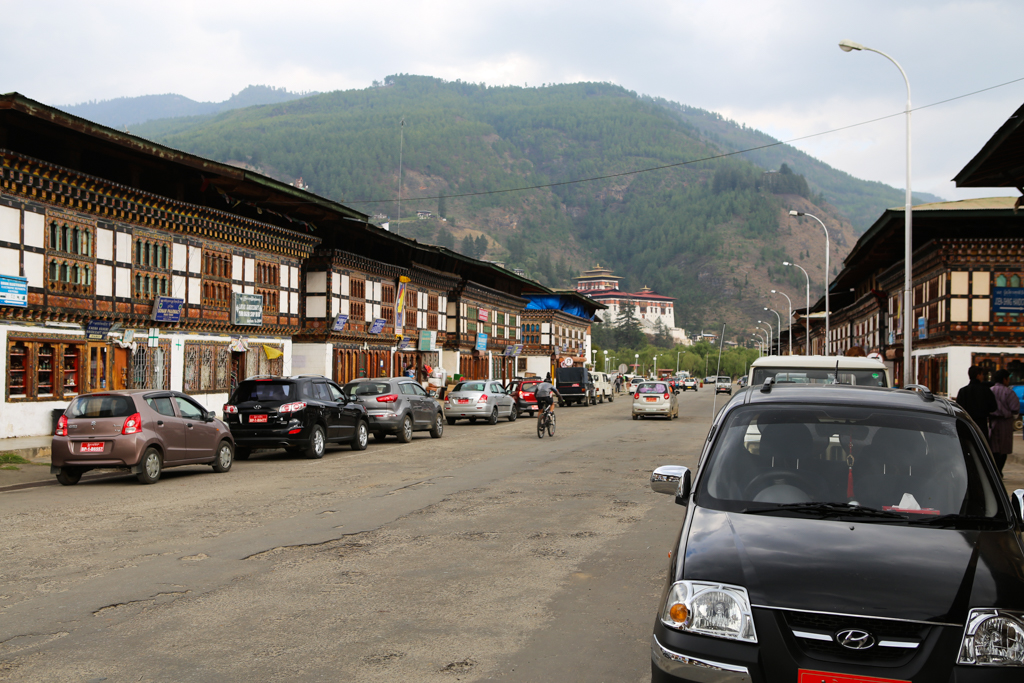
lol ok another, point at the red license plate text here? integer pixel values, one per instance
(463, 400)
(652, 399)
(806, 676)
(91, 447)
(257, 418)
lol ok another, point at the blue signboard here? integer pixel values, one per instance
(481, 342)
(167, 309)
(1008, 299)
(404, 342)
(378, 326)
(922, 328)
(340, 322)
(13, 291)
(96, 330)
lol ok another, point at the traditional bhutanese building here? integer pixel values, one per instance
(649, 307)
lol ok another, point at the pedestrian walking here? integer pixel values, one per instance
(1001, 420)
(977, 399)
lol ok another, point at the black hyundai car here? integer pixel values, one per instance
(844, 535)
(300, 414)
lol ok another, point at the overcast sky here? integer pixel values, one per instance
(772, 65)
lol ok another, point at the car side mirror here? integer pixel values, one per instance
(208, 416)
(672, 479)
(1017, 501)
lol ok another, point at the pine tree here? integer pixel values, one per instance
(468, 246)
(442, 209)
(480, 247)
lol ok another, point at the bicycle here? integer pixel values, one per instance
(546, 421)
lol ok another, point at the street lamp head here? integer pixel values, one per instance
(766, 308)
(774, 292)
(849, 46)
(786, 263)
(796, 213)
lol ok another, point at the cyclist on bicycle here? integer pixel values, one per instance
(543, 394)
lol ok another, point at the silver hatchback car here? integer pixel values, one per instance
(479, 399)
(655, 398)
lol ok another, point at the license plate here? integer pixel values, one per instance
(652, 399)
(257, 418)
(91, 447)
(463, 400)
(806, 676)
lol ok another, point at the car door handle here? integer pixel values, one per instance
(189, 425)
(159, 423)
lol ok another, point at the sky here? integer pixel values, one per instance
(775, 66)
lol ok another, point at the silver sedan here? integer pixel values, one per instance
(655, 398)
(479, 400)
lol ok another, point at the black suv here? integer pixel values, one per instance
(575, 385)
(300, 414)
(397, 405)
(841, 533)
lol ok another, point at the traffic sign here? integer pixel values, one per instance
(623, 367)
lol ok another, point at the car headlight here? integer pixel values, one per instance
(993, 637)
(710, 609)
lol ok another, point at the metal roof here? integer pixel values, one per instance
(1000, 162)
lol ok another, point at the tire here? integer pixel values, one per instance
(317, 443)
(611, 397)
(225, 456)
(551, 425)
(405, 431)
(472, 420)
(636, 417)
(451, 420)
(151, 466)
(492, 419)
(379, 436)
(361, 437)
(438, 429)
(69, 476)
(540, 427)
(242, 453)
(600, 399)
(513, 413)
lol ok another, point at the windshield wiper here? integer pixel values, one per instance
(832, 509)
(956, 520)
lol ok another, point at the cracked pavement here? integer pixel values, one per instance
(488, 554)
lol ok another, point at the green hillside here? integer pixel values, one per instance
(681, 230)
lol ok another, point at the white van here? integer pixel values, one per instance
(603, 386)
(820, 370)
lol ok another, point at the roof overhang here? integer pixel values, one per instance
(1000, 162)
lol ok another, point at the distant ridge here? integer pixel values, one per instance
(130, 111)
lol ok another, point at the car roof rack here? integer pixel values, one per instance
(766, 388)
(922, 390)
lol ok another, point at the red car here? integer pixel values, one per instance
(522, 391)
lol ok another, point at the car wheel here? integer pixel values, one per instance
(600, 399)
(222, 463)
(405, 431)
(317, 443)
(438, 429)
(150, 466)
(361, 437)
(451, 420)
(636, 417)
(472, 420)
(242, 453)
(513, 413)
(69, 476)
(492, 419)
(611, 397)
(379, 436)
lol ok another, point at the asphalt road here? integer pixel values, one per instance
(485, 555)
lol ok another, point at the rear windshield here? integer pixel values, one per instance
(367, 388)
(102, 406)
(264, 391)
(470, 386)
(869, 378)
(653, 388)
(530, 386)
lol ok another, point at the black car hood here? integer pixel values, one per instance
(861, 568)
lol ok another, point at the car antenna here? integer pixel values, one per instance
(837, 370)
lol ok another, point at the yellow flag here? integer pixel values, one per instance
(272, 352)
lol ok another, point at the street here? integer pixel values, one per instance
(488, 554)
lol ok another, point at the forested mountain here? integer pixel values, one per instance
(712, 233)
(128, 111)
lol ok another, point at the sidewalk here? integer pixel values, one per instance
(34, 448)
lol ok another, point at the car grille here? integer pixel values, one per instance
(831, 650)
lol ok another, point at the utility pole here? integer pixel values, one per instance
(401, 144)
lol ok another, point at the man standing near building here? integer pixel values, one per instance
(1001, 419)
(977, 399)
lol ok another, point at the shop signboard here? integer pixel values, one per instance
(246, 309)
(13, 291)
(97, 330)
(167, 309)
(428, 339)
(481, 342)
(922, 328)
(482, 314)
(404, 343)
(1008, 299)
(378, 326)
(339, 323)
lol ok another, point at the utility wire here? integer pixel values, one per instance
(692, 161)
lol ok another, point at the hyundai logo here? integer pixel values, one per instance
(855, 639)
(257, 407)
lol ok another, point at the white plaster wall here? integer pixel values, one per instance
(35, 226)
(311, 359)
(249, 270)
(538, 365)
(10, 261)
(34, 269)
(236, 267)
(450, 361)
(179, 259)
(104, 280)
(316, 306)
(10, 225)
(316, 282)
(123, 241)
(105, 244)
(123, 282)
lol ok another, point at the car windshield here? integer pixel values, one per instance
(470, 386)
(530, 386)
(263, 391)
(652, 388)
(102, 406)
(725, 380)
(838, 461)
(367, 388)
(868, 377)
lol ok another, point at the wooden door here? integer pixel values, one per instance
(99, 366)
(121, 368)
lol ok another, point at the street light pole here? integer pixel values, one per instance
(775, 291)
(677, 361)
(807, 311)
(828, 273)
(908, 227)
(760, 343)
(780, 326)
(771, 333)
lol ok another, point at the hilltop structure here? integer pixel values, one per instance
(649, 307)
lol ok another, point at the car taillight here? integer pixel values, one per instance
(387, 398)
(636, 395)
(575, 385)
(132, 425)
(228, 408)
(482, 399)
(527, 395)
(292, 407)
(62, 426)
(666, 396)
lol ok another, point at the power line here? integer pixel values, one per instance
(692, 161)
